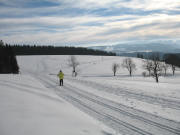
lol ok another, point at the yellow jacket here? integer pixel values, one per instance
(61, 75)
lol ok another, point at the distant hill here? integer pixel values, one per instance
(145, 48)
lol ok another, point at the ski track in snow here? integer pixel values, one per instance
(125, 92)
(119, 117)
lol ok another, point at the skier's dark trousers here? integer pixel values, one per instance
(61, 82)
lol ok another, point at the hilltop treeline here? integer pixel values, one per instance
(52, 50)
(173, 59)
(8, 62)
(169, 58)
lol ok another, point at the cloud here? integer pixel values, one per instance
(78, 22)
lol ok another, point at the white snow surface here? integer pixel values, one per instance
(93, 103)
(29, 108)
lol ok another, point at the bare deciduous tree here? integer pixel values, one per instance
(147, 65)
(115, 67)
(156, 68)
(129, 65)
(72, 62)
(173, 67)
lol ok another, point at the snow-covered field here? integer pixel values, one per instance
(93, 103)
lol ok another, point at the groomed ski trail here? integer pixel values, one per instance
(174, 104)
(123, 119)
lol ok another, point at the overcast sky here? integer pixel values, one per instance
(88, 22)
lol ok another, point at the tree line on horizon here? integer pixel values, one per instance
(169, 58)
(56, 50)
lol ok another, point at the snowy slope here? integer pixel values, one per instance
(128, 105)
(29, 108)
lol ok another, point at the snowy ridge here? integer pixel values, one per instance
(122, 105)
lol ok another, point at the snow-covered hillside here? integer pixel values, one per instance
(95, 102)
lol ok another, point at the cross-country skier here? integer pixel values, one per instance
(61, 77)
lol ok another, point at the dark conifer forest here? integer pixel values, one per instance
(173, 59)
(52, 50)
(8, 62)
